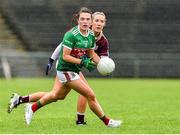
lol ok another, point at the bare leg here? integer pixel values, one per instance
(59, 91)
(81, 87)
(82, 101)
(36, 96)
(81, 105)
(16, 99)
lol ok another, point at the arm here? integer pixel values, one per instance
(55, 54)
(68, 58)
(93, 55)
(86, 62)
(53, 57)
(68, 43)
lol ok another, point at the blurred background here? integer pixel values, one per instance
(144, 35)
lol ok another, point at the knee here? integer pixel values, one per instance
(91, 96)
(54, 97)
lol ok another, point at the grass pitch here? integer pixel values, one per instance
(145, 106)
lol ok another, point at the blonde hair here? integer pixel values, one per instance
(98, 13)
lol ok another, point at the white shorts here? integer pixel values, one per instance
(67, 76)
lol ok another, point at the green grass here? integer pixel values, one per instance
(150, 106)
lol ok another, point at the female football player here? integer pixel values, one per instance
(102, 49)
(77, 43)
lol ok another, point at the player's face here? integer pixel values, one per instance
(98, 23)
(84, 21)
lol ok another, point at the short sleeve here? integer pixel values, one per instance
(103, 47)
(93, 43)
(68, 40)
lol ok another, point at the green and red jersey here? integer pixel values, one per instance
(78, 44)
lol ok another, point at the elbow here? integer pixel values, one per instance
(65, 57)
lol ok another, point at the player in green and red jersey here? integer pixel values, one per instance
(79, 45)
(81, 39)
(102, 50)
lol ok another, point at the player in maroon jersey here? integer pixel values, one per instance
(102, 49)
(102, 44)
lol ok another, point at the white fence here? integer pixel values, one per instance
(32, 64)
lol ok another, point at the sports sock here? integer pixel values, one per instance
(105, 120)
(36, 106)
(23, 99)
(80, 117)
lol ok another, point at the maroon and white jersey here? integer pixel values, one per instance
(102, 46)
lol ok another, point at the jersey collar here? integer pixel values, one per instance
(83, 34)
(99, 36)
